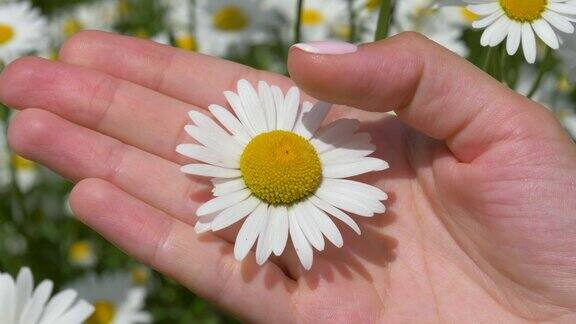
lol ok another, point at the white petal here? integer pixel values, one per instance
(363, 196)
(337, 213)
(528, 43)
(308, 226)
(204, 223)
(226, 186)
(235, 213)
(347, 154)
(278, 96)
(514, 37)
(58, 305)
(310, 118)
(290, 109)
(252, 108)
(264, 245)
(325, 224)
(35, 305)
(362, 188)
(301, 245)
(334, 133)
(344, 202)
(268, 105)
(24, 286)
(546, 33)
(236, 104)
(225, 144)
(280, 226)
(558, 21)
(77, 314)
(252, 227)
(231, 123)
(206, 170)
(7, 299)
(354, 168)
(223, 202)
(208, 155)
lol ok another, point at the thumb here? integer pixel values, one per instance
(429, 87)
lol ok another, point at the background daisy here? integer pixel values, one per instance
(520, 21)
(20, 303)
(277, 166)
(225, 25)
(115, 299)
(22, 31)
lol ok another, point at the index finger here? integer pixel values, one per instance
(190, 77)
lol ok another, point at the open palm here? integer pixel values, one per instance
(480, 222)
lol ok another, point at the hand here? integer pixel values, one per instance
(480, 222)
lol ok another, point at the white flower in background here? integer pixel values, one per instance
(229, 24)
(20, 303)
(519, 21)
(179, 14)
(99, 15)
(441, 24)
(569, 122)
(115, 299)
(277, 166)
(568, 55)
(26, 172)
(319, 17)
(22, 31)
(81, 254)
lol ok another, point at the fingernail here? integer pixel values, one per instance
(327, 47)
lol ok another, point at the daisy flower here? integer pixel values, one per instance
(230, 24)
(319, 17)
(115, 299)
(22, 31)
(81, 254)
(274, 164)
(518, 21)
(21, 303)
(441, 24)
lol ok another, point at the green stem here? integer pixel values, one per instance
(298, 24)
(383, 20)
(351, 21)
(487, 60)
(541, 73)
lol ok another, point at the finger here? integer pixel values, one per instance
(205, 266)
(190, 77)
(431, 89)
(77, 153)
(131, 113)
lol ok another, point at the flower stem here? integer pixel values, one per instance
(298, 24)
(383, 20)
(351, 22)
(543, 69)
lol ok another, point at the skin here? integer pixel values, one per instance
(480, 222)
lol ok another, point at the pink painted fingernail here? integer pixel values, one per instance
(327, 47)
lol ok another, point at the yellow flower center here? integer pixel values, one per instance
(187, 42)
(280, 167)
(468, 15)
(71, 26)
(230, 18)
(21, 164)
(80, 251)
(6, 33)
(372, 5)
(312, 17)
(104, 312)
(140, 275)
(524, 10)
